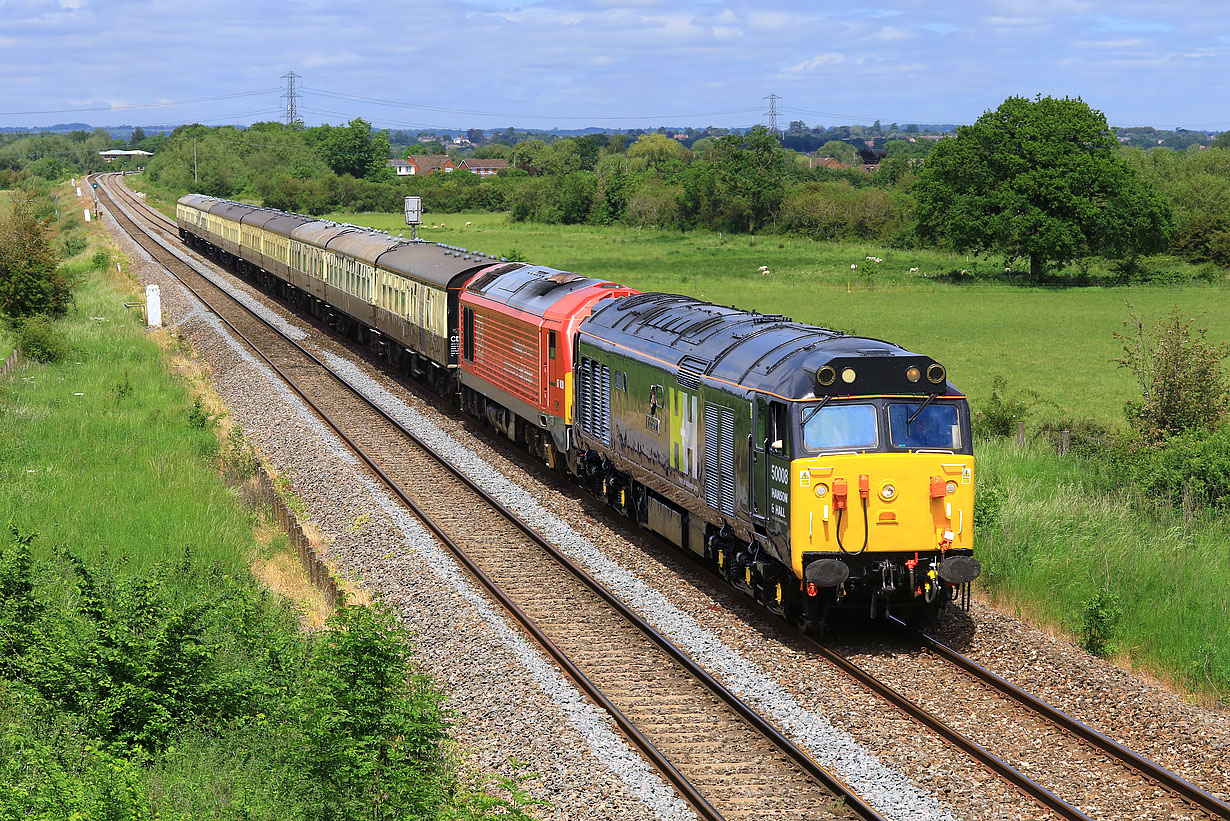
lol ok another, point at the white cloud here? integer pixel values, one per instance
(891, 33)
(1016, 22)
(814, 63)
(1110, 44)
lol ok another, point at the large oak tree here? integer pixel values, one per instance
(1040, 179)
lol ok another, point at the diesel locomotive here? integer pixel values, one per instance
(815, 470)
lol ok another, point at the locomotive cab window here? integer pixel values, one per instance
(842, 427)
(551, 344)
(931, 427)
(779, 429)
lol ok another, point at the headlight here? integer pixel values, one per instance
(935, 373)
(888, 492)
(826, 376)
(822, 490)
(913, 374)
(847, 375)
(951, 487)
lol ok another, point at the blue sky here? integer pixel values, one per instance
(612, 63)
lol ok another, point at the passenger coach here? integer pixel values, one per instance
(399, 295)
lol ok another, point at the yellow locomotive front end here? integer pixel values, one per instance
(882, 504)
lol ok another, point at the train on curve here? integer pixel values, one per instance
(815, 470)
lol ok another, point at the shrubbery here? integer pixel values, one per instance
(1177, 449)
(40, 339)
(1182, 380)
(30, 280)
(185, 692)
(999, 415)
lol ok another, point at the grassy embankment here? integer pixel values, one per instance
(146, 672)
(1066, 549)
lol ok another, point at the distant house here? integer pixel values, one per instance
(117, 154)
(484, 168)
(828, 162)
(422, 165)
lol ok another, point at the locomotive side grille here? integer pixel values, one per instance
(712, 492)
(720, 458)
(728, 462)
(604, 405)
(587, 393)
(594, 399)
(506, 355)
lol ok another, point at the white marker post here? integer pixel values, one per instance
(87, 215)
(153, 307)
(78, 190)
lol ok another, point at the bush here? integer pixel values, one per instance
(1100, 616)
(72, 246)
(40, 339)
(1085, 436)
(370, 729)
(30, 282)
(1180, 373)
(1193, 462)
(1000, 414)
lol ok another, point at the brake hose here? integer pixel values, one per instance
(866, 530)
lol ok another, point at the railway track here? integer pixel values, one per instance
(721, 756)
(631, 670)
(1182, 790)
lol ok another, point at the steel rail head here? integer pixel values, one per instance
(1189, 792)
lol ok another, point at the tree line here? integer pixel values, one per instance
(1043, 179)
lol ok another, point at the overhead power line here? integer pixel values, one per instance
(292, 97)
(772, 112)
(474, 113)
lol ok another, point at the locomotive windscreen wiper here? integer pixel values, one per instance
(914, 415)
(812, 411)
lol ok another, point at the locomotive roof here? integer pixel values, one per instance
(535, 289)
(757, 352)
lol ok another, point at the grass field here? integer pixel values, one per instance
(1057, 342)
